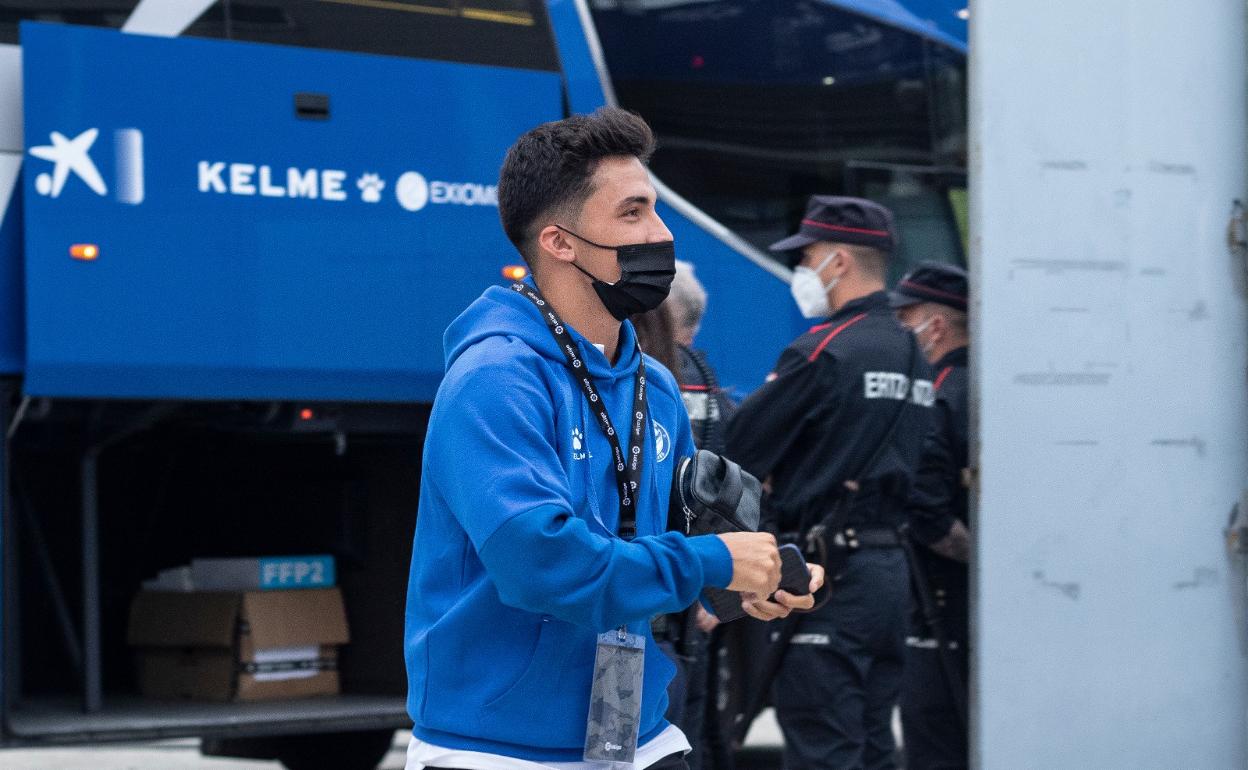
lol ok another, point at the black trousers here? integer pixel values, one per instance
(686, 694)
(935, 739)
(842, 674)
(670, 762)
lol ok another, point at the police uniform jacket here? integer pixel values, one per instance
(940, 491)
(830, 402)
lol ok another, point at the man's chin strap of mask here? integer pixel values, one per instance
(819, 271)
(646, 272)
(925, 347)
(810, 292)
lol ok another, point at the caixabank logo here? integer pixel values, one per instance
(72, 164)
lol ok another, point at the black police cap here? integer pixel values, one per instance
(842, 220)
(937, 282)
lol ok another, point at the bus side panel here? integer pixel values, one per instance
(232, 220)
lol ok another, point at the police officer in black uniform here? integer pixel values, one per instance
(836, 433)
(932, 301)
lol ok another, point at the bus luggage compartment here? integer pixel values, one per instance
(177, 482)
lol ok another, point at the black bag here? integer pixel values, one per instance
(712, 495)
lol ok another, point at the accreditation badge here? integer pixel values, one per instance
(615, 700)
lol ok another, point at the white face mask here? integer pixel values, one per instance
(809, 291)
(926, 348)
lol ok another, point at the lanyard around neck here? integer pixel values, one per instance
(627, 468)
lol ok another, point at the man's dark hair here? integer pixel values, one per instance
(551, 168)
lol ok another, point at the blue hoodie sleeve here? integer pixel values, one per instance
(493, 460)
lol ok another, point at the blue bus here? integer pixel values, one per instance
(234, 231)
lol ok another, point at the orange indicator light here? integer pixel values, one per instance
(306, 414)
(515, 272)
(84, 251)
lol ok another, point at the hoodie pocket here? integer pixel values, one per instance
(547, 705)
(477, 654)
(533, 670)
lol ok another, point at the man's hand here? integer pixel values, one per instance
(755, 562)
(706, 622)
(956, 545)
(785, 602)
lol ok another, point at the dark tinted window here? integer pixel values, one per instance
(759, 104)
(90, 13)
(929, 206)
(508, 33)
(505, 33)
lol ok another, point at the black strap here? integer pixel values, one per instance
(703, 438)
(731, 487)
(901, 411)
(835, 521)
(627, 469)
(817, 537)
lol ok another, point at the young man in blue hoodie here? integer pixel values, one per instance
(547, 470)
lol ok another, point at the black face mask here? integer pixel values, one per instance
(646, 272)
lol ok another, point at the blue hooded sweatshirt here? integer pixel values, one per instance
(517, 565)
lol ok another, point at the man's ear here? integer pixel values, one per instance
(840, 261)
(556, 244)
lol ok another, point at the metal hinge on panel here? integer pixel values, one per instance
(1237, 230)
(1237, 529)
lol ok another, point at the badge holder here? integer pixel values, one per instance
(615, 700)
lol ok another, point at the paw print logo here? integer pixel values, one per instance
(577, 438)
(370, 187)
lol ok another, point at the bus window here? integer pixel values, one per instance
(107, 13)
(947, 100)
(959, 201)
(506, 33)
(759, 104)
(928, 204)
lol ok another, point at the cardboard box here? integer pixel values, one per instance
(244, 646)
(267, 573)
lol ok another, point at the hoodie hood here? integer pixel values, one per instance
(503, 312)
